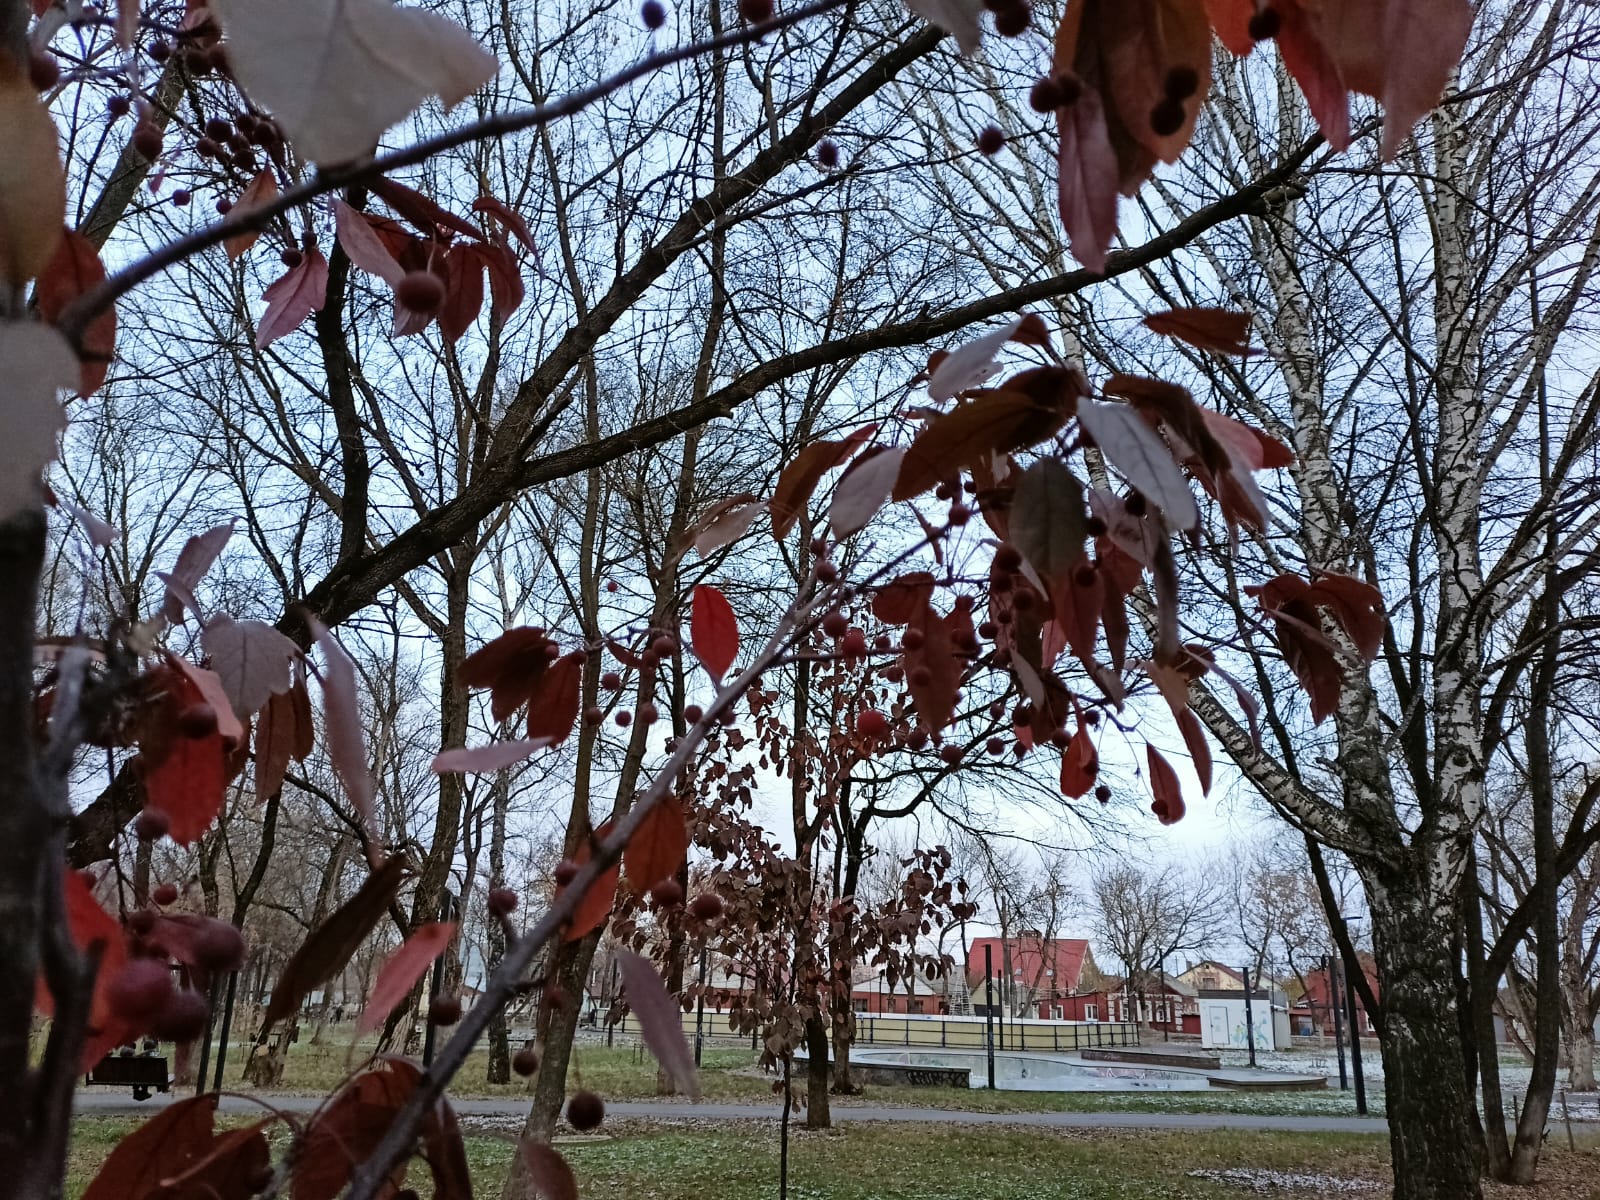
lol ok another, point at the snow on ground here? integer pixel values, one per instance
(1264, 1182)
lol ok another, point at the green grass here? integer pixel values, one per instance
(624, 1073)
(740, 1162)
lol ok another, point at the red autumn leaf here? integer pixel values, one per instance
(799, 479)
(510, 218)
(1199, 749)
(328, 947)
(203, 944)
(224, 1169)
(298, 293)
(713, 630)
(1356, 606)
(184, 776)
(402, 969)
(1168, 805)
(510, 667)
(348, 1128)
(341, 721)
(463, 292)
(74, 269)
(214, 693)
(422, 212)
(658, 846)
(276, 734)
(90, 926)
(1296, 609)
(505, 279)
(1048, 527)
(1231, 20)
(553, 707)
(1217, 329)
(1259, 451)
(997, 422)
(660, 1020)
(305, 730)
(899, 600)
(548, 1173)
(934, 669)
(258, 193)
(362, 246)
(1080, 764)
(164, 1146)
(596, 903)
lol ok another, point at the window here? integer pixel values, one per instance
(1059, 1012)
(914, 1006)
(1091, 1012)
(859, 1005)
(1049, 973)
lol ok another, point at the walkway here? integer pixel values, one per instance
(677, 1110)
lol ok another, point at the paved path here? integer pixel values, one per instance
(121, 1102)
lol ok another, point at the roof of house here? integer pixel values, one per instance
(1213, 965)
(1036, 961)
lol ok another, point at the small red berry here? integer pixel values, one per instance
(648, 714)
(164, 893)
(624, 718)
(996, 746)
(835, 624)
(1181, 82)
(420, 291)
(913, 639)
(755, 11)
(611, 681)
(1102, 794)
(119, 106)
(44, 72)
(444, 1010)
(871, 723)
(667, 894)
(208, 147)
(1084, 576)
(664, 646)
(161, 50)
(219, 128)
(950, 753)
(147, 140)
(921, 677)
(219, 946)
(1135, 504)
(1007, 558)
(594, 714)
(1013, 19)
(653, 13)
(1265, 24)
(198, 720)
(502, 901)
(140, 990)
(291, 258)
(827, 572)
(525, 1061)
(707, 906)
(566, 871)
(586, 1110)
(151, 824)
(1046, 95)
(991, 141)
(692, 713)
(181, 198)
(960, 514)
(1167, 117)
(828, 154)
(611, 586)
(182, 1020)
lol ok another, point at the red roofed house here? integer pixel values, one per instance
(1312, 1012)
(1033, 974)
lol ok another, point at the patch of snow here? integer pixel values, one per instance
(1264, 1182)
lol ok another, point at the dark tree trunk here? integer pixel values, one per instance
(1430, 1132)
(818, 1113)
(499, 1034)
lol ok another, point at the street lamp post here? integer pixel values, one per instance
(1355, 1039)
(1329, 963)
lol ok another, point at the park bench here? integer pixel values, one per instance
(131, 1068)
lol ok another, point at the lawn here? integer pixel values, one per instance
(740, 1161)
(728, 1075)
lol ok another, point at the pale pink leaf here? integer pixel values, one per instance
(401, 971)
(252, 659)
(1135, 450)
(1086, 180)
(337, 73)
(37, 363)
(363, 246)
(194, 560)
(293, 297)
(341, 715)
(510, 218)
(261, 191)
(962, 19)
(99, 533)
(660, 1020)
(862, 491)
(1422, 40)
(724, 523)
(479, 760)
(971, 364)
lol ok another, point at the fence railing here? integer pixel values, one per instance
(873, 1029)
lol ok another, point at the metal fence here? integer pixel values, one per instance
(873, 1029)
